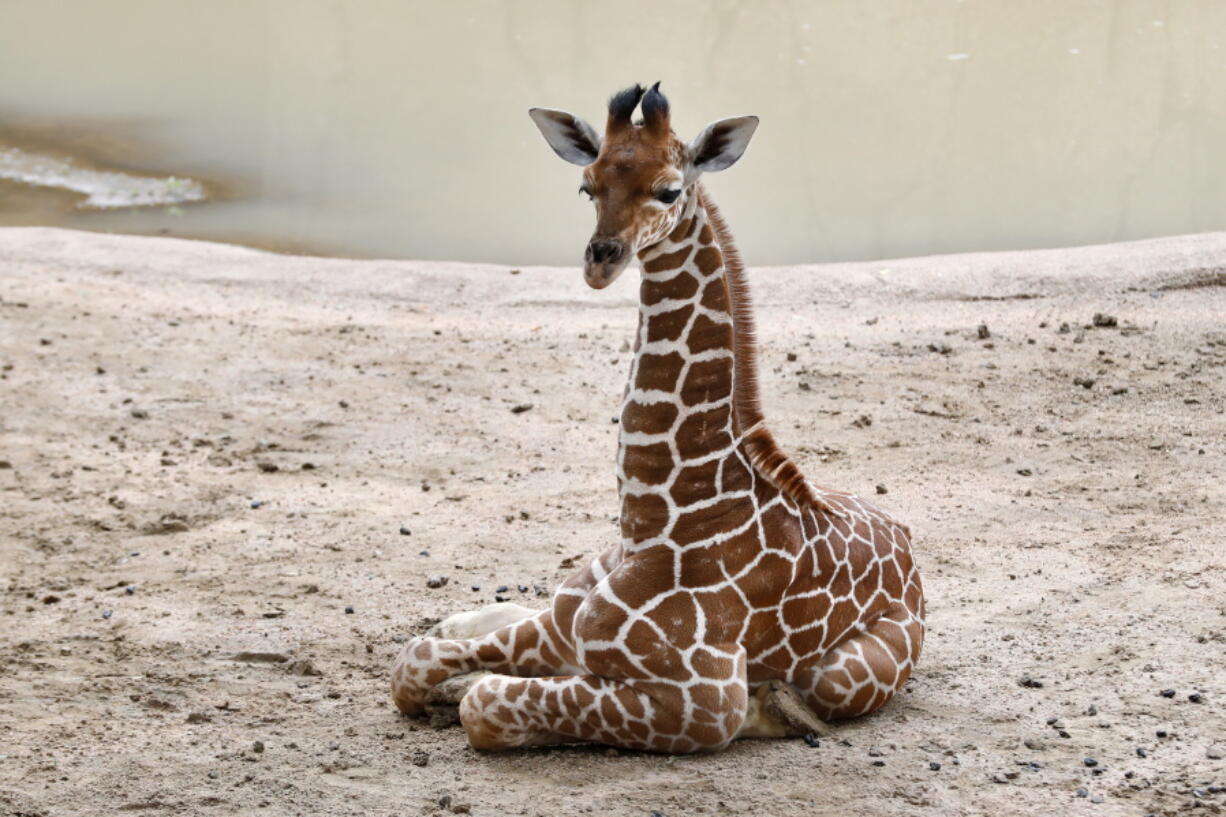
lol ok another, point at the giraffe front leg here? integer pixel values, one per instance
(529, 646)
(476, 623)
(500, 712)
(443, 699)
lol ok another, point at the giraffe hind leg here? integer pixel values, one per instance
(864, 671)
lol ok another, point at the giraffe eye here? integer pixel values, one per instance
(668, 196)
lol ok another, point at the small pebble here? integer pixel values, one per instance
(811, 740)
(420, 758)
(349, 610)
(1142, 752)
(1082, 793)
(1195, 698)
(108, 613)
(255, 503)
(1090, 762)
(1160, 733)
(435, 582)
(1030, 683)
(523, 588)
(881, 489)
(932, 764)
(258, 747)
(502, 588)
(500, 598)
(878, 762)
(521, 408)
(130, 589)
(405, 531)
(1215, 752)
(1167, 693)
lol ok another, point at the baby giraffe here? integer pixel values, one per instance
(736, 584)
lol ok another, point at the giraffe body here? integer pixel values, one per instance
(732, 570)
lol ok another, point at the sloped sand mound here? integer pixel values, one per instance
(225, 477)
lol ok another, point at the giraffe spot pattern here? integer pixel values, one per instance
(720, 582)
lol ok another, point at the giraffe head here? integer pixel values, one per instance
(640, 175)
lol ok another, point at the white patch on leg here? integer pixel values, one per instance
(476, 623)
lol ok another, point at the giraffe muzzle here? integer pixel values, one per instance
(603, 261)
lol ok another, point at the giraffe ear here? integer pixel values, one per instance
(721, 143)
(569, 136)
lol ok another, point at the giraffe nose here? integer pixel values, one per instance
(604, 251)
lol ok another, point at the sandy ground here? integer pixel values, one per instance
(209, 451)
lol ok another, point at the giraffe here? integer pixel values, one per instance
(735, 578)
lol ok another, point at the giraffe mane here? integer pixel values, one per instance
(765, 455)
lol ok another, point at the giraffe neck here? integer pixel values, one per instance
(678, 420)
(692, 396)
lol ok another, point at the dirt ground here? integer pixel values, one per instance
(225, 477)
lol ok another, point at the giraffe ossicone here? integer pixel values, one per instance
(735, 578)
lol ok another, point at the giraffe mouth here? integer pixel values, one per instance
(599, 276)
(604, 259)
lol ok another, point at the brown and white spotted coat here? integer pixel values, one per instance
(732, 569)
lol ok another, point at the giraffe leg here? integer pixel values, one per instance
(501, 712)
(476, 623)
(528, 646)
(501, 637)
(443, 700)
(866, 670)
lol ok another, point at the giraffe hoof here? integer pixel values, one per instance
(452, 691)
(443, 699)
(443, 716)
(785, 705)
